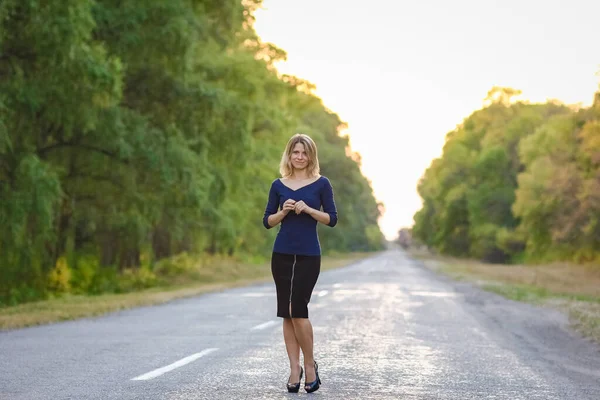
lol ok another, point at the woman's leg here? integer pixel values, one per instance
(281, 268)
(307, 272)
(304, 334)
(293, 349)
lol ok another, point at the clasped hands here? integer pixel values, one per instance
(296, 206)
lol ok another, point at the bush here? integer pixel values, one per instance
(59, 277)
(176, 266)
(83, 274)
(136, 279)
(105, 280)
(22, 294)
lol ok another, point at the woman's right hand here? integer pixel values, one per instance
(288, 206)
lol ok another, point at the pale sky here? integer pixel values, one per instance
(404, 73)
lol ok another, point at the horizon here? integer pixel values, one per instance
(437, 67)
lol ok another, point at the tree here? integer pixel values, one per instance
(134, 131)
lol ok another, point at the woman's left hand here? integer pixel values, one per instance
(301, 206)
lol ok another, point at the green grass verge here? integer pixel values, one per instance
(70, 307)
(534, 294)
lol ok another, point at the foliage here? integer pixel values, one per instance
(516, 181)
(131, 132)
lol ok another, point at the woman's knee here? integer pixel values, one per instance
(299, 321)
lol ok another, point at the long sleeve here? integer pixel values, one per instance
(328, 203)
(272, 206)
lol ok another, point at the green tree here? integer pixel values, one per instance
(134, 131)
(482, 197)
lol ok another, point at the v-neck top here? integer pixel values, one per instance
(298, 232)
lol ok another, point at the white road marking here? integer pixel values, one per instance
(263, 326)
(170, 367)
(323, 293)
(337, 285)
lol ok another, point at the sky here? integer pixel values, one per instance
(402, 74)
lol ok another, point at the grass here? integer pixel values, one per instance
(210, 277)
(575, 289)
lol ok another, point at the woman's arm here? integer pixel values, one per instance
(272, 217)
(329, 214)
(320, 216)
(328, 203)
(276, 218)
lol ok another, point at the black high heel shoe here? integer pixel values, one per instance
(295, 387)
(314, 385)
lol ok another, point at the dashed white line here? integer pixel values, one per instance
(323, 293)
(170, 367)
(264, 326)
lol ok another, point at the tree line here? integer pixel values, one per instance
(133, 131)
(517, 182)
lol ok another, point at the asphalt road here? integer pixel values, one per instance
(385, 328)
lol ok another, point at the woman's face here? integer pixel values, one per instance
(299, 157)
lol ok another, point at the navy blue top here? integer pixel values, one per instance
(298, 232)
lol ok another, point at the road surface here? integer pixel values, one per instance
(385, 328)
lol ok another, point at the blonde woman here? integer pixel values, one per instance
(295, 202)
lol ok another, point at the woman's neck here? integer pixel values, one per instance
(299, 175)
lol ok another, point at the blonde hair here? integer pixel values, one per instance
(285, 167)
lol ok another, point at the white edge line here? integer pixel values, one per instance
(264, 325)
(170, 367)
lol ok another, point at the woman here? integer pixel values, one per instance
(295, 201)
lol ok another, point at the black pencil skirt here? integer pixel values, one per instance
(295, 277)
